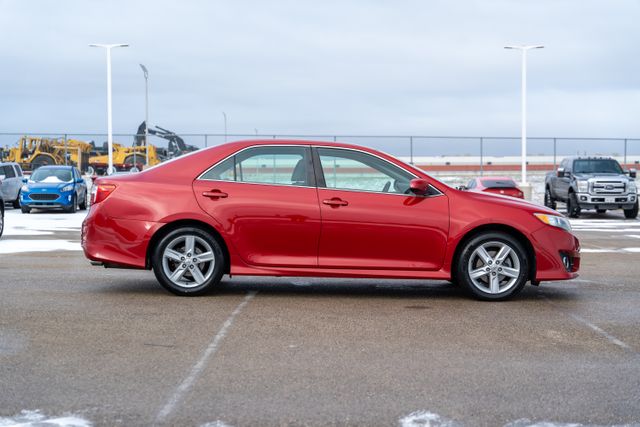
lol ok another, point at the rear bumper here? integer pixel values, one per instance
(116, 242)
(557, 254)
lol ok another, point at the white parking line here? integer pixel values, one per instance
(199, 366)
(611, 338)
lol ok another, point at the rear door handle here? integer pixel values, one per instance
(335, 202)
(215, 194)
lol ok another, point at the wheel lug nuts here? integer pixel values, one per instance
(181, 258)
(191, 266)
(189, 254)
(493, 274)
(499, 269)
(184, 265)
(195, 260)
(497, 262)
(490, 262)
(488, 269)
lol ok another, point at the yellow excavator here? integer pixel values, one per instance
(32, 152)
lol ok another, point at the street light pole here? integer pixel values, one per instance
(146, 113)
(108, 47)
(523, 107)
(225, 125)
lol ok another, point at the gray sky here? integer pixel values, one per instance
(372, 67)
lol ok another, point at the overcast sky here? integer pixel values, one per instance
(356, 67)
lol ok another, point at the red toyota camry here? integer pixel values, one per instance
(301, 208)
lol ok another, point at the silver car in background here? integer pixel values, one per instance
(10, 183)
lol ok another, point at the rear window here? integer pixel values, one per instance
(499, 183)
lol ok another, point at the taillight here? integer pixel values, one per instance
(99, 192)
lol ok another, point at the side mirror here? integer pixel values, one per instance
(462, 187)
(632, 172)
(24, 180)
(560, 172)
(93, 178)
(79, 181)
(419, 186)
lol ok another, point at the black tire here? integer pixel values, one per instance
(468, 258)
(74, 205)
(549, 201)
(212, 273)
(82, 206)
(16, 202)
(1, 217)
(631, 213)
(25, 209)
(601, 211)
(573, 208)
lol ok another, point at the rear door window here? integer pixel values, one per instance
(9, 172)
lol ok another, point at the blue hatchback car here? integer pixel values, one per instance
(54, 187)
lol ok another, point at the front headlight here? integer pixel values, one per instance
(24, 188)
(632, 187)
(583, 186)
(67, 188)
(554, 221)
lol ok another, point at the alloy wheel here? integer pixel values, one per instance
(494, 267)
(188, 261)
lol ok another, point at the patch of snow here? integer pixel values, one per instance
(12, 246)
(37, 419)
(426, 419)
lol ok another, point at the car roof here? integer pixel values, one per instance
(590, 158)
(56, 167)
(496, 178)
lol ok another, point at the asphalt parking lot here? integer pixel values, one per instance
(90, 346)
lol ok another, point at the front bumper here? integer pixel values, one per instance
(46, 200)
(600, 201)
(557, 254)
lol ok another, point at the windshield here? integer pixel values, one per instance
(597, 166)
(498, 183)
(51, 175)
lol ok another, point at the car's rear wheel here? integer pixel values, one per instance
(493, 266)
(82, 206)
(573, 208)
(549, 201)
(188, 261)
(631, 213)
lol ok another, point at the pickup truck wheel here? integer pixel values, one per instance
(493, 266)
(601, 211)
(573, 208)
(549, 201)
(631, 213)
(16, 202)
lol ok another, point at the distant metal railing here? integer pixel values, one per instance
(410, 147)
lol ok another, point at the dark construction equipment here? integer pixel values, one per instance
(176, 145)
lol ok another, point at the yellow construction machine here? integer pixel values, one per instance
(32, 152)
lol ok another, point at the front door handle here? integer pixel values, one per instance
(335, 202)
(215, 194)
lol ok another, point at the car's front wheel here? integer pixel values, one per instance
(493, 266)
(631, 213)
(188, 261)
(25, 209)
(573, 208)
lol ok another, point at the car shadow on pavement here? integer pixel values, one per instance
(302, 287)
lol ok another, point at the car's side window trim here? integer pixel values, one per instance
(307, 156)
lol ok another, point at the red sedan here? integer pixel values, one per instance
(300, 208)
(497, 185)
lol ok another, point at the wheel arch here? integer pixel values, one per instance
(174, 225)
(513, 232)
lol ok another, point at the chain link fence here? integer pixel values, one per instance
(468, 152)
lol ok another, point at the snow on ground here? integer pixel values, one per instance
(19, 229)
(37, 419)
